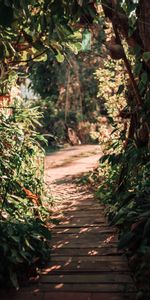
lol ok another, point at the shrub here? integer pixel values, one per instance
(24, 235)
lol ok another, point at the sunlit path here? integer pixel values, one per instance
(85, 262)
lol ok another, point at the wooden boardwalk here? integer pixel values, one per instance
(85, 262)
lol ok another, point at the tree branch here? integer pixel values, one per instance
(30, 59)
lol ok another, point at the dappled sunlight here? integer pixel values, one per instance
(59, 286)
(62, 171)
(109, 239)
(83, 248)
(92, 252)
(51, 269)
(83, 230)
(79, 229)
(68, 262)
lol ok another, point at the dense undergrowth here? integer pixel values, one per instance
(123, 177)
(122, 183)
(24, 235)
(123, 180)
(125, 189)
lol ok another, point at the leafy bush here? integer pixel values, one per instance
(123, 175)
(24, 235)
(126, 191)
(22, 245)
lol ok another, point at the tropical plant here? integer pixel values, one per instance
(23, 214)
(125, 166)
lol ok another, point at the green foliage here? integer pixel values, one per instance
(22, 245)
(29, 29)
(112, 91)
(50, 80)
(126, 191)
(24, 235)
(86, 40)
(44, 77)
(124, 170)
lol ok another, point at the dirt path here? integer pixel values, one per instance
(85, 263)
(71, 161)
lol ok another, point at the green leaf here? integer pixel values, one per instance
(91, 11)
(104, 158)
(60, 57)
(144, 78)
(42, 57)
(13, 278)
(38, 46)
(46, 233)
(125, 240)
(138, 68)
(146, 56)
(120, 89)
(102, 36)
(78, 46)
(147, 229)
(29, 245)
(137, 50)
(86, 40)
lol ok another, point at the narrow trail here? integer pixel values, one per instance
(85, 263)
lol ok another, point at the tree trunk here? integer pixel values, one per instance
(67, 103)
(144, 25)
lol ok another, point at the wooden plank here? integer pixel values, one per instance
(90, 208)
(99, 287)
(22, 294)
(111, 250)
(67, 296)
(78, 271)
(87, 238)
(79, 213)
(86, 219)
(79, 246)
(89, 296)
(88, 278)
(84, 200)
(80, 230)
(86, 233)
(89, 259)
(80, 208)
(85, 222)
(88, 266)
(78, 201)
(80, 226)
(113, 296)
(83, 214)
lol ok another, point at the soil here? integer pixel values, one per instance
(71, 161)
